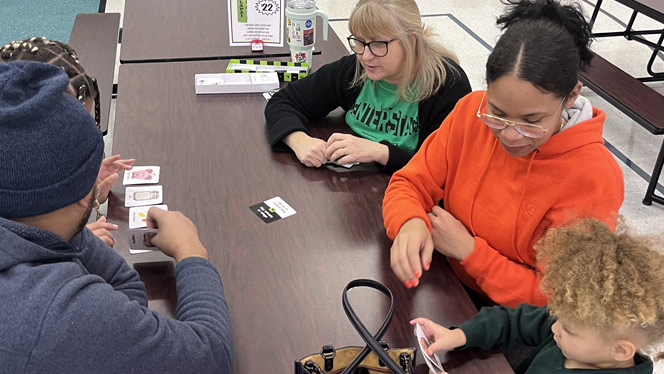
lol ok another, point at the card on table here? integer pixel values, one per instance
(140, 240)
(272, 210)
(433, 362)
(347, 166)
(144, 195)
(268, 95)
(141, 175)
(138, 215)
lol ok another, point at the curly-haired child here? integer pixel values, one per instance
(606, 305)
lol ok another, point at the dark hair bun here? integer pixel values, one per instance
(570, 17)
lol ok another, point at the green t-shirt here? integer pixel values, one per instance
(378, 115)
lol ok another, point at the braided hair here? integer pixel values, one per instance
(56, 53)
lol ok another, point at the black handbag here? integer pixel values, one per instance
(375, 357)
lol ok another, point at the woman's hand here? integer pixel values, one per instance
(450, 236)
(346, 149)
(310, 151)
(411, 251)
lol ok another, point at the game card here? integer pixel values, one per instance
(347, 166)
(138, 215)
(433, 362)
(141, 175)
(268, 95)
(272, 210)
(144, 195)
(140, 241)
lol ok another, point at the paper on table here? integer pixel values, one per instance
(256, 20)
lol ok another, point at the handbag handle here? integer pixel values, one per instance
(372, 341)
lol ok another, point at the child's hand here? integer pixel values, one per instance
(441, 338)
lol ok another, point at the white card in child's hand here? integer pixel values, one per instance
(144, 195)
(141, 175)
(433, 362)
(138, 215)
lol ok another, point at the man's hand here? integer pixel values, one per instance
(177, 235)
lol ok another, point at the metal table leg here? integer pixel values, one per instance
(654, 178)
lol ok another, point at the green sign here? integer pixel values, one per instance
(242, 11)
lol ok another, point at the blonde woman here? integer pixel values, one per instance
(396, 89)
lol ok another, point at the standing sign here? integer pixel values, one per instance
(256, 19)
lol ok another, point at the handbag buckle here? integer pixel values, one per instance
(328, 353)
(386, 347)
(404, 359)
(312, 367)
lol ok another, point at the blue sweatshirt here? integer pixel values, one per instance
(78, 307)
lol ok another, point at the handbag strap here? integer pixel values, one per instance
(372, 341)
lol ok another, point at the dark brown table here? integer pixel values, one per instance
(176, 30)
(283, 280)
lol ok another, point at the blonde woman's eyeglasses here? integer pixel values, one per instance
(377, 48)
(525, 129)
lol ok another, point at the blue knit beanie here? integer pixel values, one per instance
(50, 148)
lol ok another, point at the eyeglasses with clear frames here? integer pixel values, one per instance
(525, 129)
(377, 48)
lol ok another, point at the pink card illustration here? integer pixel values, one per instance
(141, 175)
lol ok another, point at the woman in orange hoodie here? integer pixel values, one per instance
(510, 162)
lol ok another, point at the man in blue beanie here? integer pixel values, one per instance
(68, 302)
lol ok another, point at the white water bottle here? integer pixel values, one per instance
(301, 28)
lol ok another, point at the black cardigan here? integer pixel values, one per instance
(314, 97)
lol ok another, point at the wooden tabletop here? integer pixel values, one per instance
(176, 30)
(283, 280)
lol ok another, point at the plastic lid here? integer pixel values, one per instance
(302, 4)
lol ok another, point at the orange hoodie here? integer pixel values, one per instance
(505, 202)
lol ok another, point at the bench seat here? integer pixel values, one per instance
(638, 101)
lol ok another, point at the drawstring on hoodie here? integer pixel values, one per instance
(479, 184)
(523, 194)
